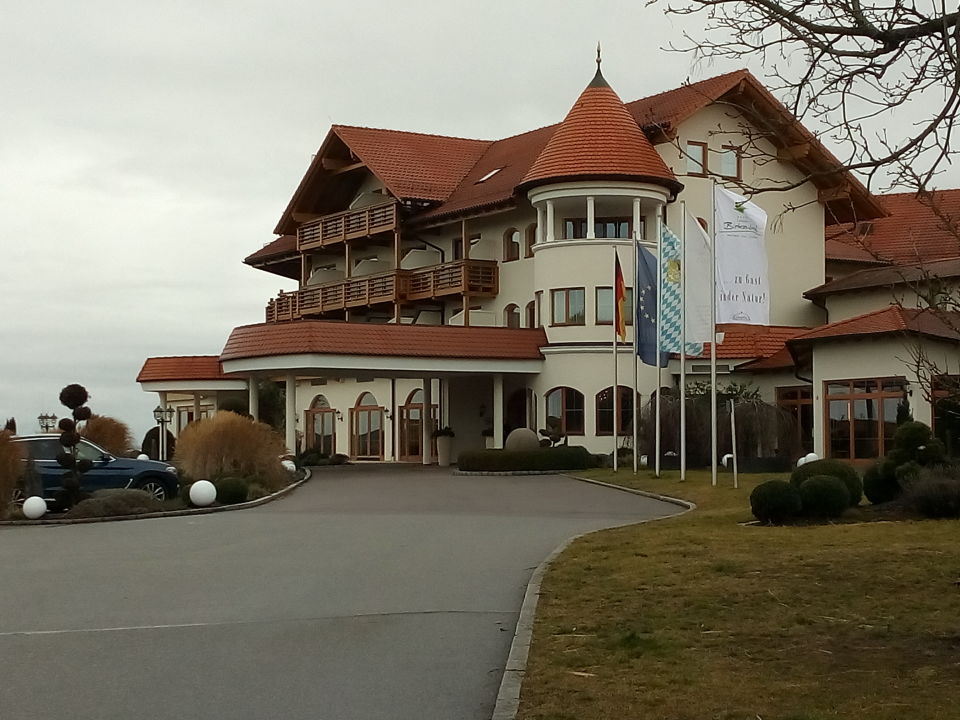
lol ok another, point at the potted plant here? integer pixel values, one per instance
(444, 437)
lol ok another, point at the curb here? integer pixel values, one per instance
(172, 513)
(508, 697)
(509, 472)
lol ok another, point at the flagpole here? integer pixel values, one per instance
(615, 308)
(733, 443)
(636, 359)
(713, 343)
(683, 340)
(656, 442)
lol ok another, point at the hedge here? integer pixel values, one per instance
(555, 458)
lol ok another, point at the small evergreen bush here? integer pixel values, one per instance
(824, 496)
(256, 491)
(775, 501)
(561, 457)
(880, 482)
(914, 442)
(231, 490)
(835, 468)
(111, 503)
(935, 493)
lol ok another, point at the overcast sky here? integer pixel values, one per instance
(146, 149)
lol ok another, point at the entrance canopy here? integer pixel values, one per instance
(362, 349)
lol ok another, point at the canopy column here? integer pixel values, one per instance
(290, 417)
(426, 422)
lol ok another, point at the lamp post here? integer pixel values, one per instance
(48, 421)
(163, 416)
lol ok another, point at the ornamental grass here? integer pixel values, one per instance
(228, 444)
(109, 433)
(11, 467)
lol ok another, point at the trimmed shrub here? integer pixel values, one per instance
(880, 482)
(110, 434)
(231, 490)
(847, 474)
(562, 457)
(775, 501)
(907, 474)
(228, 445)
(935, 493)
(11, 468)
(914, 442)
(340, 459)
(824, 496)
(256, 491)
(311, 457)
(110, 503)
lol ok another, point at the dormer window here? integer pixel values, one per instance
(488, 175)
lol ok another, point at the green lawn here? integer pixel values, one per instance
(699, 617)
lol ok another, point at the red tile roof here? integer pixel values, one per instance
(887, 276)
(190, 367)
(836, 248)
(284, 246)
(413, 165)
(891, 319)
(751, 341)
(780, 360)
(599, 139)
(911, 233)
(664, 111)
(341, 338)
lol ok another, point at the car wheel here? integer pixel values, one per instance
(155, 487)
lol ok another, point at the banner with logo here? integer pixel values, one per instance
(743, 280)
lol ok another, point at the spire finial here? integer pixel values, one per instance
(598, 80)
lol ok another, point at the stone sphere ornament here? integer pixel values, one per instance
(522, 439)
(203, 493)
(34, 507)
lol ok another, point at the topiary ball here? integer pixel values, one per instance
(880, 482)
(69, 439)
(914, 442)
(775, 501)
(824, 496)
(66, 425)
(836, 468)
(65, 460)
(231, 490)
(82, 413)
(73, 396)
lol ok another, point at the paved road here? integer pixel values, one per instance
(370, 592)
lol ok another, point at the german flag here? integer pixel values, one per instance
(619, 298)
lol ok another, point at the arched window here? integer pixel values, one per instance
(511, 245)
(604, 405)
(531, 312)
(320, 427)
(366, 428)
(530, 237)
(565, 410)
(511, 316)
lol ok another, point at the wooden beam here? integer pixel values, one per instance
(465, 248)
(301, 217)
(348, 168)
(839, 192)
(793, 152)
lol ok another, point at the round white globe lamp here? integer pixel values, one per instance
(203, 493)
(801, 461)
(289, 465)
(143, 456)
(34, 507)
(810, 457)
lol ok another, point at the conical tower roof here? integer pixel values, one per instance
(599, 140)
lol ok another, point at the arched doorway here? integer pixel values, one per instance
(366, 428)
(411, 424)
(320, 427)
(520, 411)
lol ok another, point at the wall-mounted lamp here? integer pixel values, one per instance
(388, 415)
(339, 415)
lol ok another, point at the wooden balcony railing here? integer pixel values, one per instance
(346, 225)
(477, 278)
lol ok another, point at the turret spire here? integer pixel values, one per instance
(598, 79)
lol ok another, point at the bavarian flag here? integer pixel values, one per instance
(619, 298)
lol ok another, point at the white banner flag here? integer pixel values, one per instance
(743, 280)
(698, 325)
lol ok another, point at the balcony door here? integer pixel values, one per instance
(411, 427)
(366, 429)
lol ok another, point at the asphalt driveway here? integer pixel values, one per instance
(370, 592)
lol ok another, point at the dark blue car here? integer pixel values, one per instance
(157, 478)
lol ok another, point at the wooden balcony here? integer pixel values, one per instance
(347, 225)
(477, 278)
